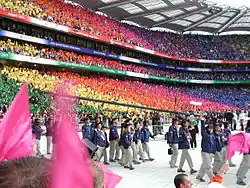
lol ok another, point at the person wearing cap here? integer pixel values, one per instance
(121, 143)
(208, 149)
(173, 141)
(133, 145)
(145, 134)
(245, 163)
(105, 153)
(218, 161)
(138, 144)
(184, 145)
(127, 139)
(114, 152)
(99, 140)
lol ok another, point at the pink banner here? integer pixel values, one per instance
(239, 142)
(71, 162)
(16, 138)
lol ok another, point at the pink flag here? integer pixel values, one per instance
(239, 142)
(16, 138)
(72, 168)
(111, 179)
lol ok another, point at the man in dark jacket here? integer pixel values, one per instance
(127, 139)
(145, 134)
(218, 161)
(37, 131)
(99, 140)
(208, 149)
(173, 141)
(114, 152)
(184, 145)
(105, 153)
(137, 139)
(87, 129)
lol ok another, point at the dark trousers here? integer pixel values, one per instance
(241, 124)
(233, 125)
(193, 141)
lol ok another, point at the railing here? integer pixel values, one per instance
(42, 61)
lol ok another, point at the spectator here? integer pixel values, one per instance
(182, 181)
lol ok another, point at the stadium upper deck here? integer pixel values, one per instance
(186, 47)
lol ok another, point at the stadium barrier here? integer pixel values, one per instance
(107, 55)
(42, 61)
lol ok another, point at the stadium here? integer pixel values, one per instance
(152, 61)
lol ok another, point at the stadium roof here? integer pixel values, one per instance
(177, 15)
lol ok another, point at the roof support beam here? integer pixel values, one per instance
(180, 17)
(180, 6)
(205, 20)
(242, 13)
(142, 7)
(116, 4)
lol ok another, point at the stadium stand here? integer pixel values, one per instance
(67, 56)
(184, 46)
(162, 96)
(131, 92)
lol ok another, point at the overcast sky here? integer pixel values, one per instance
(233, 3)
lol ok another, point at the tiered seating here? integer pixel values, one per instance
(129, 92)
(29, 50)
(9, 87)
(186, 46)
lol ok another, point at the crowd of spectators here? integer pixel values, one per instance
(174, 98)
(67, 56)
(185, 46)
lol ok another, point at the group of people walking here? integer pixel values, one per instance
(213, 148)
(127, 146)
(127, 143)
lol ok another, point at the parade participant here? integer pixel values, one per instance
(138, 144)
(218, 160)
(121, 142)
(114, 152)
(184, 145)
(193, 129)
(86, 129)
(49, 132)
(126, 137)
(145, 134)
(173, 141)
(99, 140)
(226, 132)
(133, 145)
(37, 131)
(245, 163)
(105, 153)
(208, 149)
